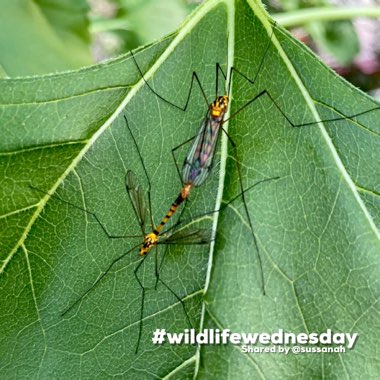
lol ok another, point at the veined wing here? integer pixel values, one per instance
(188, 237)
(199, 160)
(137, 198)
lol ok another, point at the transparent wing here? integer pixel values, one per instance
(199, 161)
(188, 237)
(137, 198)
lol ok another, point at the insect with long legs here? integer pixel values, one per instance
(195, 172)
(172, 236)
(199, 160)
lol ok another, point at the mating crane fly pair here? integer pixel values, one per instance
(195, 170)
(196, 167)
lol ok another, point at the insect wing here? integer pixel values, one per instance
(136, 196)
(189, 237)
(199, 160)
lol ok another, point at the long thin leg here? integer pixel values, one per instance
(265, 92)
(217, 79)
(226, 204)
(98, 280)
(159, 266)
(142, 302)
(252, 81)
(162, 260)
(182, 211)
(179, 299)
(174, 156)
(232, 69)
(158, 279)
(262, 93)
(222, 207)
(196, 78)
(193, 77)
(143, 290)
(156, 266)
(246, 207)
(103, 227)
(218, 69)
(336, 118)
(230, 201)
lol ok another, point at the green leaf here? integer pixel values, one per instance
(316, 226)
(43, 36)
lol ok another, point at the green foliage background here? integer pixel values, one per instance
(38, 37)
(317, 226)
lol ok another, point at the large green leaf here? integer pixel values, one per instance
(316, 225)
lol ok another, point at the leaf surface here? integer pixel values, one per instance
(316, 226)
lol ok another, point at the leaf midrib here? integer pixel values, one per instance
(310, 103)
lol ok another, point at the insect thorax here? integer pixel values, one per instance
(219, 106)
(150, 240)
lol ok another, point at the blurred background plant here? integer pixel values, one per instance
(43, 36)
(344, 33)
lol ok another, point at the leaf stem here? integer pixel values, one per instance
(304, 16)
(97, 26)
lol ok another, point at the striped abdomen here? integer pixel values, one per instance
(185, 191)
